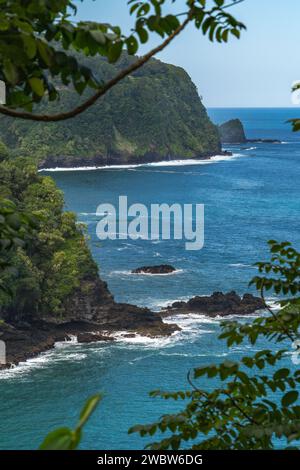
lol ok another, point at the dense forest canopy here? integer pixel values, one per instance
(45, 272)
(154, 113)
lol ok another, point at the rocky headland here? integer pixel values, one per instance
(91, 314)
(233, 132)
(97, 317)
(156, 114)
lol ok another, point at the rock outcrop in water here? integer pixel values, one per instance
(153, 115)
(233, 132)
(160, 269)
(218, 304)
(96, 318)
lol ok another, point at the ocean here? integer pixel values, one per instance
(249, 198)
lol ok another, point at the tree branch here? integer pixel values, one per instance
(276, 318)
(102, 91)
(232, 4)
(235, 404)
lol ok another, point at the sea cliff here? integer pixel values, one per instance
(153, 115)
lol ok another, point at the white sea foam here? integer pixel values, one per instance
(168, 163)
(192, 326)
(130, 273)
(163, 353)
(63, 351)
(241, 265)
(177, 271)
(86, 214)
(145, 341)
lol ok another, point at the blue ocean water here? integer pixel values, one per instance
(249, 198)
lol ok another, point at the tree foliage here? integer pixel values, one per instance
(16, 229)
(295, 122)
(155, 112)
(35, 38)
(256, 401)
(44, 272)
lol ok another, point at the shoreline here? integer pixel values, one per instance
(39, 337)
(136, 164)
(44, 337)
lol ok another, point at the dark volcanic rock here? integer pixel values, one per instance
(161, 269)
(140, 320)
(264, 141)
(23, 344)
(93, 337)
(91, 312)
(218, 304)
(232, 132)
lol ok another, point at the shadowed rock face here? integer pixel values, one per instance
(218, 304)
(160, 269)
(92, 315)
(232, 132)
(93, 337)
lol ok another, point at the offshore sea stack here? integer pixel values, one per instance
(218, 304)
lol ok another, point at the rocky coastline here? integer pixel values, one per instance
(217, 305)
(64, 161)
(92, 315)
(97, 317)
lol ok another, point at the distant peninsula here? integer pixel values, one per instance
(233, 132)
(155, 114)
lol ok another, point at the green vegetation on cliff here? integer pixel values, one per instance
(154, 114)
(43, 274)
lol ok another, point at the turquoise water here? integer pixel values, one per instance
(249, 198)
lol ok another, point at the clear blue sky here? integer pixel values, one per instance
(256, 71)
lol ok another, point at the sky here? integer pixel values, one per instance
(256, 71)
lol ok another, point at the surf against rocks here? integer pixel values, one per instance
(161, 222)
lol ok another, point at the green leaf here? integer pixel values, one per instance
(143, 34)
(60, 439)
(132, 45)
(45, 53)
(98, 36)
(30, 46)
(289, 398)
(37, 86)
(281, 374)
(115, 51)
(88, 409)
(10, 72)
